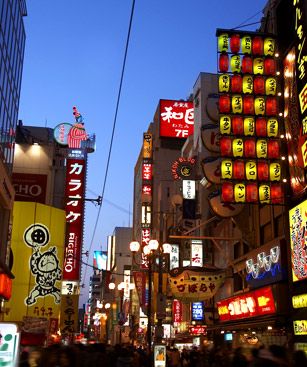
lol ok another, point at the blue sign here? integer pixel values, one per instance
(197, 311)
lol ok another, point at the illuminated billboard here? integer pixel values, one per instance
(100, 260)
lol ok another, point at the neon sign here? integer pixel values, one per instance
(265, 264)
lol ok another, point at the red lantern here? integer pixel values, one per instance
(225, 146)
(227, 192)
(247, 65)
(249, 148)
(248, 105)
(257, 46)
(271, 106)
(235, 43)
(263, 171)
(238, 170)
(277, 195)
(236, 83)
(224, 103)
(5, 286)
(269, 66)
(252, 193)
(223, 63)
(237, 125)
(261, 126)
(273, 149)
(259, 85)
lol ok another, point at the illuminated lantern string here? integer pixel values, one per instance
(225, 146)
(264, 194)
(237, 125)
(251, 170)
(224, 103)
(269, 46)
(269, 66)
(225, 125)
(263, 171)
(226, 169)
(259, 85)
(223, 63)
(261, 126)
(237, 103)
(247, 65)
(257, 46)
(237, 147)
(224, 83)
(246, 45)
(259, 106)
(258, 65)
(236, 84)
(275, 171)
(235, 43)
(273, 149)
(262, 148)
(251, 193)
(270, 86)
(277, 194)
(247, 84)
(250, 148)
(227, 193)
(235, 63)
(238, 170)
(272, 127)
(249, 126)
(223, 42)
(271, 106)
(240, 193)
(248, 105)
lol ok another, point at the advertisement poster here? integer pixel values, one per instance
(159, 356)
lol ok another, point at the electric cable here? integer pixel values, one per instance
(242, 24)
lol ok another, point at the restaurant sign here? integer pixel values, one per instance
(300, 327)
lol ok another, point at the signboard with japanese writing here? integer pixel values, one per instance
(174, 257)
(256, 303)
(10, 342)
(300, 327)
(183, 168)
(176, 119)
(198, 330)
(197, 311)
(147, 145)
(38, 244)
(30, 187)
(69, 315)
(140, 285)
(299, 301)
(195, 283)
(177, 310)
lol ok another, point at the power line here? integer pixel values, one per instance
(113, 129)
(113, 204)
(243, 24)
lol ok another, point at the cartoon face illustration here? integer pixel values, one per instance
(47, 263)
(37, 235)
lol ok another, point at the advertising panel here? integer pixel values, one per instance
(30, 187)
(177, 311)
(159, 355)
(9, 351)
(100, 260)
(300, 327)
(38, 245)
(147, 145)
(197, 253)
(174, 257)
(299, 301)
(69, 315)
(197, 311)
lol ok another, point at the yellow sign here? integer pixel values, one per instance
(304, 153)
(225, 125)
(147, 145)
(248, 84)
(299, 301)
(235, 63)
(300, 327)
(246, 44)
(262, 148)
(270, 86)
(237, 147)
(269, 46)
(223, 42)
(38, 238)
(224, 83)
(272, 127)
(275, 172)
(226, 169)
(258, 65)
(264, 194)
(237, 103)
(259, 106)
(240, 193)
(251, 170)
(249, 126)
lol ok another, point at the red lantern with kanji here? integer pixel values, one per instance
(277, 195)
(252, 193)
(257, 46)
(235, 43)
(263, 171)
(224, 103)
(269, 66)
(227, 192)
(223, 63)
(225, 146)
(236, 83)
(248, 105)
(271, 106)
(249, 148)
(259, 85)
(261, 126)
(273, 149)
(237, 125)
(247, 65)
(238, 170)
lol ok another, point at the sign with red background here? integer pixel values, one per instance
(30, 187)
(177, 311)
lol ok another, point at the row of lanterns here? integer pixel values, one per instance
(250, 170)
(248, 126)
(248, 105)
(247, 65)
(247, 84)
(256, 45)
(249, 148)
(252, 193)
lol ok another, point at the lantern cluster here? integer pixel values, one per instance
(249, 118)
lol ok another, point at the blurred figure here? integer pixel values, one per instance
(34, 357)
(279, 355)
(175, 357)
(184, 358)
(239, 359)
(23, 359)
(299, 358)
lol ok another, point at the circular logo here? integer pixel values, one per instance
(60, 133)
(37, 235)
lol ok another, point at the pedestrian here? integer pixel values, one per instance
(239, 359)
(299, 358)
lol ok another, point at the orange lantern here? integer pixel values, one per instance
(247, 84)
(235, 63)
(247, 65)
(225, 146)
(223, 42)
(248, 105)
(236, 83)
(257, 46)
(273, 149)
(235, 43)
(275, 171)
(237, 103)
(249, 148)
(261, 126)
(240, 193)
(224, 103)
(269, 46)
(259, 106)
(225, 125)
(272, 127)
(262, 148)
(263, 171)
(269, 66)
(226, 169)
(237, 147)
(224, 83)
(251, 193)
(259, 85)
(264, 194)
(223, 63)
(270, 86)
(258, 66)
(271, 106)
(237, 125)
(238, 170)
(249, 126)
(227, 192)
(246, 44)
(5, 286)
(277, 195)
(251, 170)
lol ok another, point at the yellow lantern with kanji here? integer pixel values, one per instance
(240, 193)
(275, 171)
(249, 126)
(269, 46)
(235, 63)
(272, 127)
(237, 147)
(258, 65)
(262, 148)
(224, 83)
(225, 125)
(226, 169)
(270, 86)
(237, 103)
(259, 104)
(251, 170)
(248, 84)
(264, 194)
(246, 45)
(223, 42)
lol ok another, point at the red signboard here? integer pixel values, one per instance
(30, 187)
(177, 311)
(176, 119)
(257, 303)
(147, 171)
(198, 330)
(75, 187)
(140, 285)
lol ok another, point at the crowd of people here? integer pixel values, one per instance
(101, 355)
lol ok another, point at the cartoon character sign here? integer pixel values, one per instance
(44, 265)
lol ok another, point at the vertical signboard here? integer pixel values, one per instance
(197, 253)
(69, 315)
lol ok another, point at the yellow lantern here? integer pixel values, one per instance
(269, 46)
(258, 65)
(262, 148)
(270, 86)
(264, 194)
(225, 125)
(223, 42)
(259, 106)
(235, 63)
(224, 83)
(246, 44)
(249, 126)
(247, 84)
(272, 127)
(237, 103)
(240, 193)
(251, 170)
(226, 168)
(275, 171)
(237, 147)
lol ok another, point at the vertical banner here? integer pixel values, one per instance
(140, 285)
(69, 315)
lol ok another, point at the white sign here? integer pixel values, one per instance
(70, 288)
(188, 189)
(197, 253)
(160, 356)
(9, 344)
(174, 257)
(127, 284)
